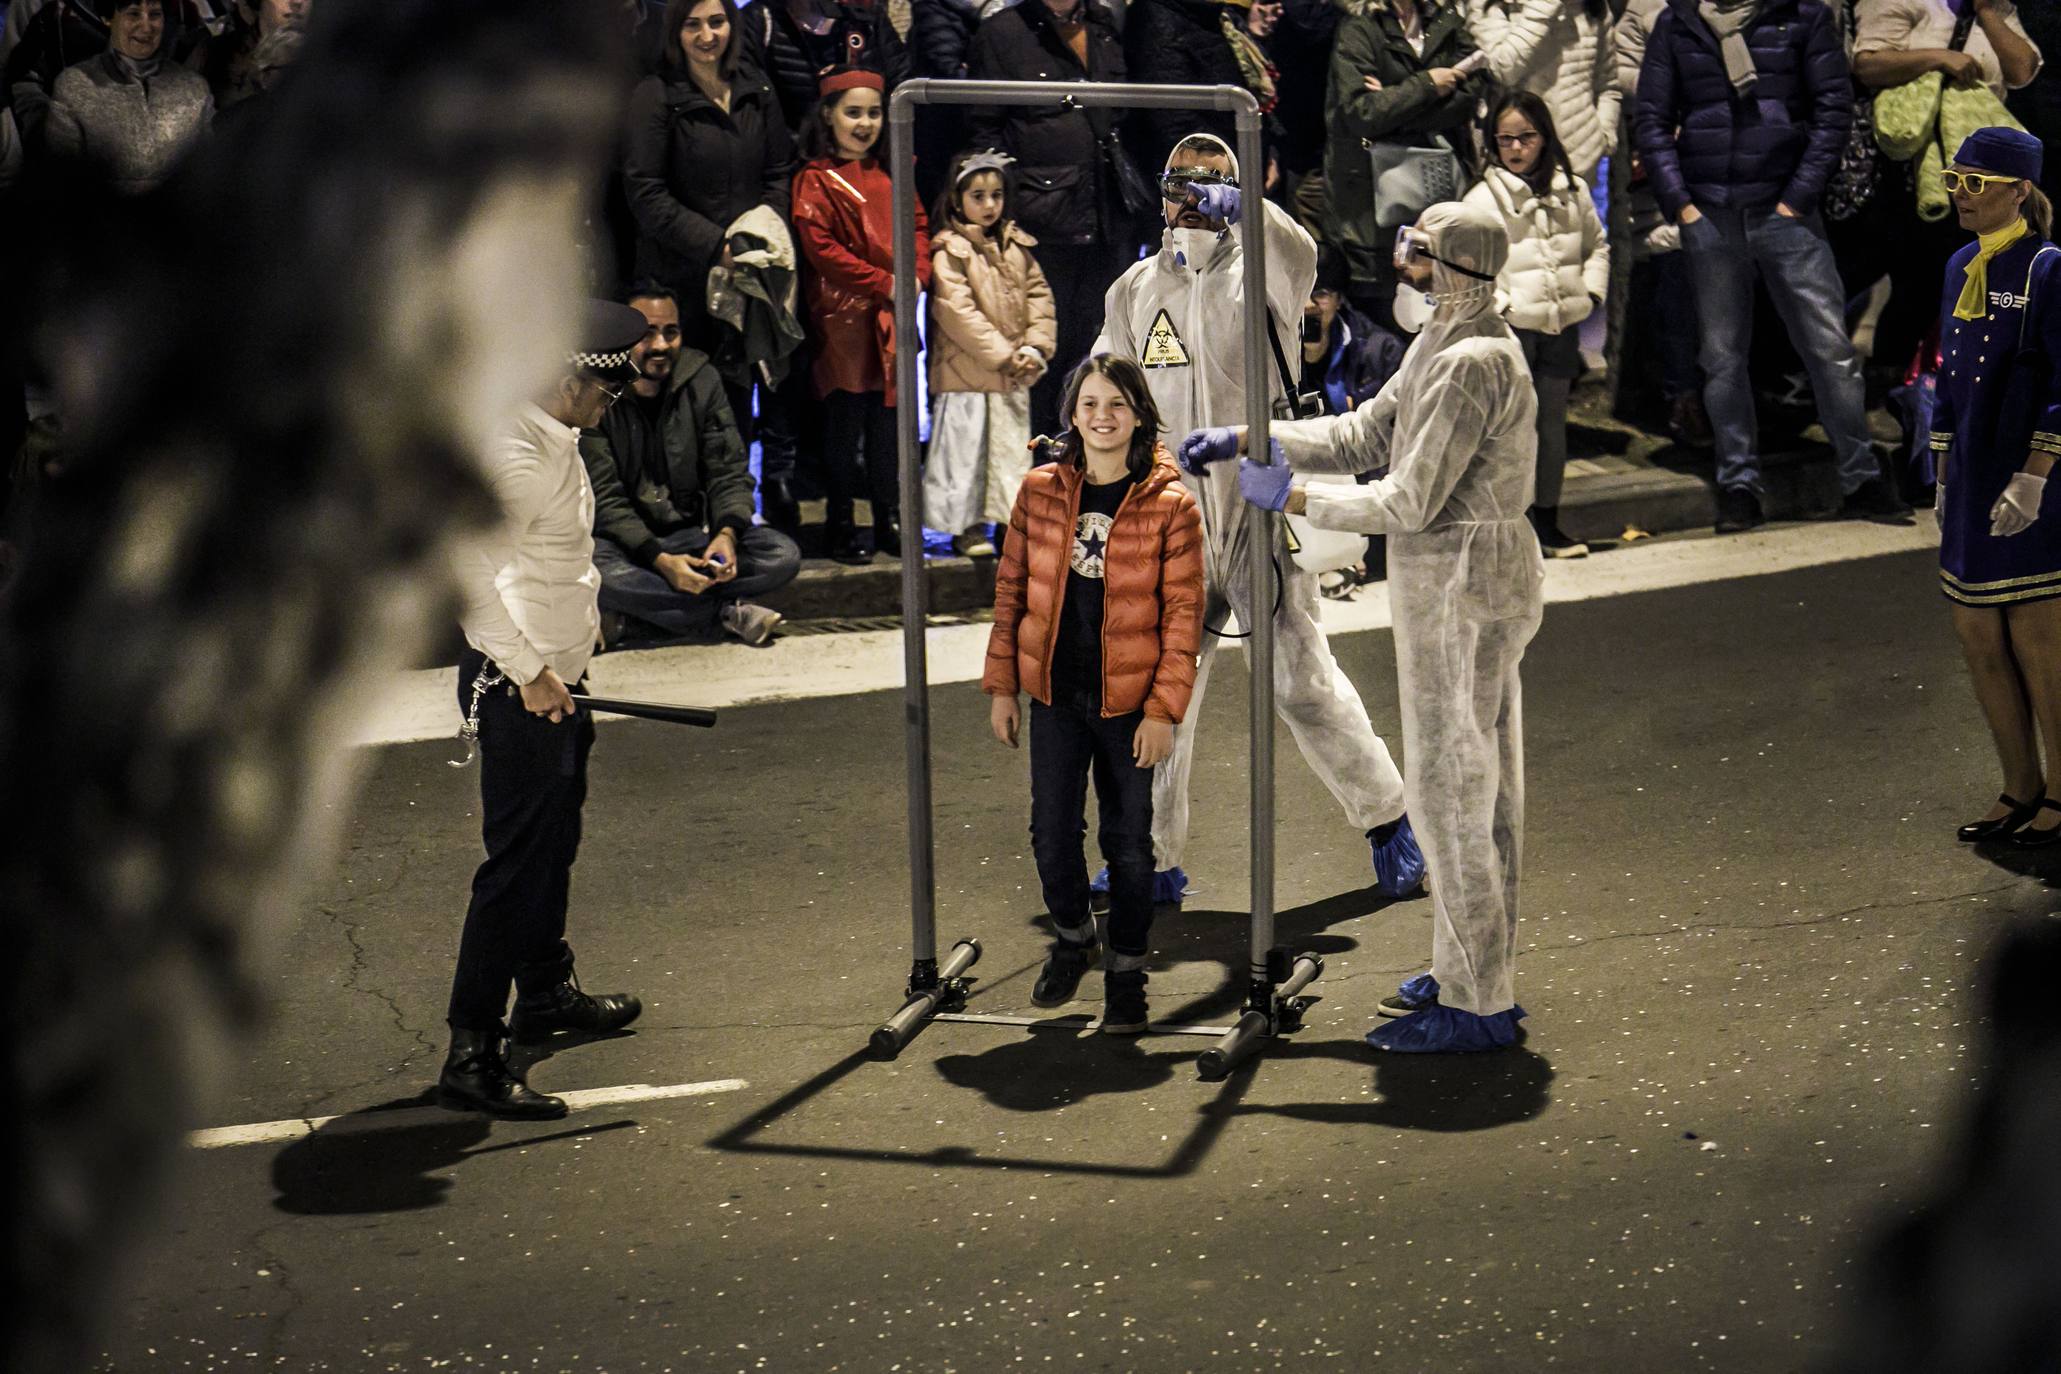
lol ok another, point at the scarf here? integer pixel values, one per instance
(1253, 68)
(1728, 20)
(132, 68)
(1974, 302)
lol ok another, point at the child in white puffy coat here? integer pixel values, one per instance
(1556, 276)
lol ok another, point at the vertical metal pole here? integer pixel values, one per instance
(1261, 535)
(901, 144)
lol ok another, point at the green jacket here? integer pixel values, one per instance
(689, 469)
(1407, 109)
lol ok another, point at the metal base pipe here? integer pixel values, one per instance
(928, 995)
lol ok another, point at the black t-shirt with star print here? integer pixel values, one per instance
(1077, 659)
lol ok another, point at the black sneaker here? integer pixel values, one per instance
(1873, 499)
(1123, 1003)
(1064, 968)
(565, 1007)
(1738, 509)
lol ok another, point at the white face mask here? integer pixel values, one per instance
(1192, 247)
(1413, 308)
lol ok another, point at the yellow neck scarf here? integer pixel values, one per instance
(1974, 302)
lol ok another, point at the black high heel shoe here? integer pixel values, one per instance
(2021, 812)
(2029, 838)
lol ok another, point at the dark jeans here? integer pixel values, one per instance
(1665, 297)
(1080, 275)
(766, 559)
(859, 456)
(532, 783)
(1069, 740)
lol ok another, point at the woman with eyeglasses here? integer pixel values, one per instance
(1996, 428)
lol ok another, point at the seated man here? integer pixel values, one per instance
(673, 538)
(1346, 357)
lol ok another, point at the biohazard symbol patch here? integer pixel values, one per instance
(1163, 347)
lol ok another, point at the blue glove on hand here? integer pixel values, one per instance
(1266, 484)
(1205, 446)
(1218, 202)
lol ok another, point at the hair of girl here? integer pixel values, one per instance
(946, 210)
(2038, 211)
(676, 15)
(1552, 154)
(1128, 377)
(816, 138)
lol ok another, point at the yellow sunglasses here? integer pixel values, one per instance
(1972, 183)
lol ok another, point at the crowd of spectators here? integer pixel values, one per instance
(1726, 143)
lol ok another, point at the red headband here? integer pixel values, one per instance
(853, 80)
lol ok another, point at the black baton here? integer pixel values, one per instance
(651, 710)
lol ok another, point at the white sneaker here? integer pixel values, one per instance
(752, 623)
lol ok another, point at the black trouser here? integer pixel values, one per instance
(1068, 740)
(1080, 275)
(859, 456)
(532, 782)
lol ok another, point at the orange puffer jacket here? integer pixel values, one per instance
(1152, 592)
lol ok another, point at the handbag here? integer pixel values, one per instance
(1410, 178)
(1962, 110)
(1906, 116)
(1853, 181)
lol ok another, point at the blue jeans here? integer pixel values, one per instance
(1795, 259)
(766, 559)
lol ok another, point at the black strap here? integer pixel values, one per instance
(1963, 26)
(1289, 388)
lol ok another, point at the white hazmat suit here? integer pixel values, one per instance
(1185, 323)
(1454, 429)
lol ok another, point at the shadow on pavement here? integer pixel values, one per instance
(1036, 1073)
(355, 1165)
(1427, 1092)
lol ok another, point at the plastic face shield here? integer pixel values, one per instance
(1173, 186)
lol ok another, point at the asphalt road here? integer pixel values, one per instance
(1748, 951)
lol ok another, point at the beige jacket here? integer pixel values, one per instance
(987, 300)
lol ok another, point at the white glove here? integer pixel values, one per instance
(2018, 507)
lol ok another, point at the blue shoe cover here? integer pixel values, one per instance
(1168, 885)
(1399, 863)
(1447, 1030)
(1420, 991)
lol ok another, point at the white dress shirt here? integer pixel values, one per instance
(528, 589)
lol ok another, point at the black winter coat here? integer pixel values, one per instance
(1407, 109)
(1064, 191)
(940, 34)
(1704, 145)
(689, 170)
(684, 468)
(61, 34)
(1178, 43)
(1301, 45)
(792, 58)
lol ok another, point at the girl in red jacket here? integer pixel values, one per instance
(1098, 614)
(844, 218)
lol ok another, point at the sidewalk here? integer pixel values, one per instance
(1622, 483)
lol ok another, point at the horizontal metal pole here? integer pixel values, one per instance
(1074, 1023)
(1099, 94)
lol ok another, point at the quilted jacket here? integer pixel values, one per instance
(1152, 592)
(1559, 264)
(1704, 145)
(1565, 56)
(989, 300)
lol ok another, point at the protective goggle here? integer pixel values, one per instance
(1970, 183)
(1173, 187)
(1411, 243)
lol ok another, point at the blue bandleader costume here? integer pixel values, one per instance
(1999, 399)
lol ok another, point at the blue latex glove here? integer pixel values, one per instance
(1205, 446)
(1265, 484)
(1218, 202)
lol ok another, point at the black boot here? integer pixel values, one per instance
(887, 536)
(841, 539)
(565, 1007)
(776, 501)
(477, 1078)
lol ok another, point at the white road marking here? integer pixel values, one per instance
(423, 705)
(267, 1132)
